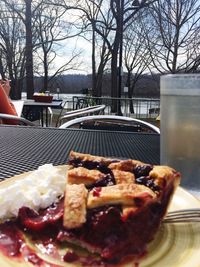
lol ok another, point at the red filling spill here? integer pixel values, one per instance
(11, 239)
(13, 244)
(38, 221)
(96, 192)
(106, 230)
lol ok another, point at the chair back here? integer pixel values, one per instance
(18, 104)
(91, 110)
(15, 119)
(111, 122)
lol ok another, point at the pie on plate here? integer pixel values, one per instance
(111, 208)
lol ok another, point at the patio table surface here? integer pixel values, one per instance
(25, 148)
(54, 104)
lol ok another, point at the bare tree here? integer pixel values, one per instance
(93, 16)
(113, 18)
(124, 12)
(136, 56)
(172, 34)
(51, 29)
(29, 48)
(12, 49)
(25, 10)
(41, 28)
(98, 43)
(108, 20)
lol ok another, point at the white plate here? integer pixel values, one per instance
(175, 245)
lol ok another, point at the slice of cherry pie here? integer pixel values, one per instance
(110, 207)
(114, 207)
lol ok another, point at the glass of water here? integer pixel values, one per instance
(180, 126)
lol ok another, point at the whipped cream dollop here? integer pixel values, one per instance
(37, 189)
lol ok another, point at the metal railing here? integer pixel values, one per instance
(130, 107)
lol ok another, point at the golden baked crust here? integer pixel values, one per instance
(88, 157)
(74, 206)
(123, 165)
(164, 173)
(125, 194)
(123, 177)
(129, 183)
(82, 175)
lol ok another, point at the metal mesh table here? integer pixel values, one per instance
(25, 148)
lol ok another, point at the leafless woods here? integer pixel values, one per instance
(37, 38)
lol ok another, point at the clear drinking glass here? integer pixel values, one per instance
(180, 126)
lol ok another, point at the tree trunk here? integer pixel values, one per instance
(29, 51)
(114, 73)
(2, 72)
(132, 86)
(45, 80)
(128, 84)
(13, 91)
(94, 89)
(99, 79)
(17, 86)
